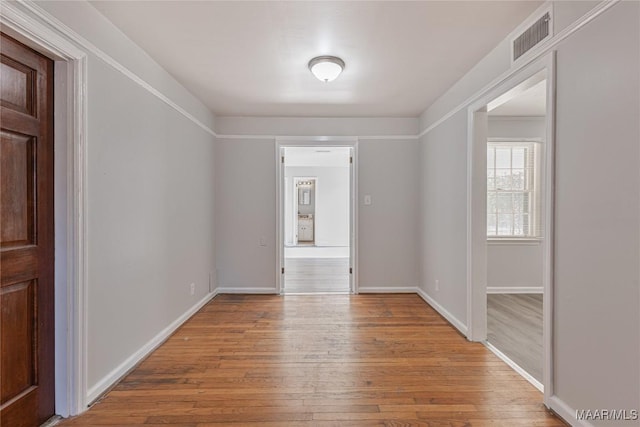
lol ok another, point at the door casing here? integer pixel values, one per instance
(70, 123)
(323, 141)
(477, 212)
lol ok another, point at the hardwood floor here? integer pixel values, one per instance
(316, 275)
(320, 360)
(514, 326)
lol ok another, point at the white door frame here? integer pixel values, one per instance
(319, 141)
(477, 212)
(27, 24)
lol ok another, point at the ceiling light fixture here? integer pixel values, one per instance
(326, 68)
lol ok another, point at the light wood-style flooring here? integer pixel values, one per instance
(316, 275)
(514, 326)
(320, 360)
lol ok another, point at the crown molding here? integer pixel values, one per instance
(87, 46)
(523, 62)
(535, 54)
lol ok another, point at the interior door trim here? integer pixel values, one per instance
(51, 39)
(335, 141)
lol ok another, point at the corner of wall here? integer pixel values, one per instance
(112, 378)
(454, 321)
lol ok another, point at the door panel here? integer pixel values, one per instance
(16, 90)
(26, 236)
(19, 322)
(18, 205)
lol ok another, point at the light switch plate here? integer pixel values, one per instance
(367, 199)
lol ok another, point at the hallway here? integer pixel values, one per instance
(320, 360)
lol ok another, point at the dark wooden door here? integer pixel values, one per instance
(26, 236)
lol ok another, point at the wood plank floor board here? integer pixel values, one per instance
(514, 326)
(316, 275)
(319, 360)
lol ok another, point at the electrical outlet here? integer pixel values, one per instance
(437, 285)
(263, 241)
(192, 288)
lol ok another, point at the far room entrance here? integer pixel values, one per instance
(316, 219)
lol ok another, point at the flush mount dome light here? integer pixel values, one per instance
(326, 68)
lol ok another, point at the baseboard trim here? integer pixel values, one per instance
(245, 290)
(387, 289)
(566, 412)
(515, 289)
(112, 378)
(527, 376)
(55, 420)
(455, 322)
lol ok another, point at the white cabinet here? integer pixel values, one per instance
(305, 228)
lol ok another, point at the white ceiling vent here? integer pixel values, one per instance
(538, 31)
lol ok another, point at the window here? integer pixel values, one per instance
(512, 199)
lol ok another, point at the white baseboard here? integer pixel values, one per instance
(515, 289)
(534, 382)
(566, 412)
(440, 309)
(114, 376)
(246, 290)
(387, 289)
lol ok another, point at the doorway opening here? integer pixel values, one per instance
(510, 222)
(515, 194)
(302, 220)
(317, 219)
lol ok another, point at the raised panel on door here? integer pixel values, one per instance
(19, 320)
(17, 172)
(26, 236)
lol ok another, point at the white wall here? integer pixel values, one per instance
(331, 219)
(597, 258)
(515, 264)
(317, 126)
(387, 170)
(247, 167)
(150, 199)
(516, 127)
(388, 228)
(443, 163)
(597, 242)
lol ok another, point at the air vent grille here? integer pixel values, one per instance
(531, 36)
